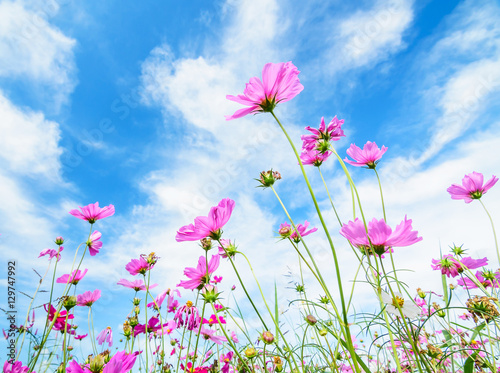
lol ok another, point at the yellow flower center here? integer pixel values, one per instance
(398, 302)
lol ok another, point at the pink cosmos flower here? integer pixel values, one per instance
(138, 266)
(88, 298)
(487, 279)
(234, 337)
(121, 362)
(52, 253)
(80, 337)
(93, 212)
(213, 320)
(452, 267)
(226, 359)
(286, 230)
(210, 335)
(94, 244)
(200, 275)
(153, 326)
(207, 226)
(136, 285)
(159, 300)
(472, 187)
(60, 317)
(320, 137)
(106, 335)
(280, 83)
(74, 278)
(16, 367)
(187, 315)
(314, 157)
(380, 235)
(369, 156)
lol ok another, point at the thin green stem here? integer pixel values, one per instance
(494, 232)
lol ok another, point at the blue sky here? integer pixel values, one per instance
(124, 104)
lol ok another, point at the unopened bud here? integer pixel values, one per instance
(136, 301)
(267, 337)
(59, 241)
(311, 320)
(69, 302)
(250, 352)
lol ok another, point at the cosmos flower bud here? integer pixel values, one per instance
(69, 302)
(420, 293)
(323, 332)
(97, 363)
(136, 301)
(209, 293)
(250, 352)
(59, 240)
(267, 178)
(206, 243)
(133, 321)
(311, 320)
(267, 337)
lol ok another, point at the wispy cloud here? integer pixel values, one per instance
(368, 37)
(35, 50)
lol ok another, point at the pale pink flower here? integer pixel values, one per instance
(208, 226)
(159, 300)
(280, 83)
(314, 157)
(286, 231)
(52, 253)
(369, 156)
(381, 236)
(472, 187)
(209, 334)
(200, 275)
(94, 244)
(88, 298)
(106, 335)
(74, 278)
(138, 266)
(320, 137)
(136, 285)
(93, 212)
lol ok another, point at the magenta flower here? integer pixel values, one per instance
(200, 275)
(486, 278)
(88, 298)
(52, 253)
(472, 187)
(74, 278)
(381, 236)
(280, 83)
(137, 285)
(214, 319)
(138, 266)
(93, 212)
(207, 226)
(94, 244)
(320, 137)
(60, 317)
(106, 335)
(452, 267)
(314, 157)
(152, 326)
(369, 156)
(16, 367)
(80, 337)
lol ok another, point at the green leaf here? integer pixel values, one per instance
(469, 363)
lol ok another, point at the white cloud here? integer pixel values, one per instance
(32, 48)
(462, 72)
(369, 36)
(32, 142)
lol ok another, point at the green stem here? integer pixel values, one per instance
(334, 254)
(381, 194)
(494, 232)
(329, 197)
